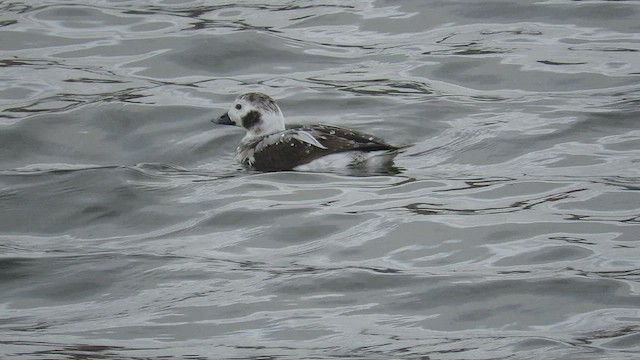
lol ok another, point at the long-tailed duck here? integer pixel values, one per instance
(269, 145)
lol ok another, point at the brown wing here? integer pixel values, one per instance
(286, 154)
(290, 151)
(347, 138)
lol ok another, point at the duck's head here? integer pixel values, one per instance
(256, 112)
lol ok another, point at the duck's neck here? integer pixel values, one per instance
(270, 123)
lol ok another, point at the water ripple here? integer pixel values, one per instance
(509, 232)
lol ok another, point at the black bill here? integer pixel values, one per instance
(224, 120)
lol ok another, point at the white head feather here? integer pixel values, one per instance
(258, 114)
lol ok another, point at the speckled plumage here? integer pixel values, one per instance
(270, 146)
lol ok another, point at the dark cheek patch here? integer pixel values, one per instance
(251, 119)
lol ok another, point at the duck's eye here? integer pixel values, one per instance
(238, 106)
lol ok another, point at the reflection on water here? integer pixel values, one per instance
(511, 230)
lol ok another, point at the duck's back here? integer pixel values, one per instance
(305, 145)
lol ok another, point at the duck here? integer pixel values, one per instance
(272, 145)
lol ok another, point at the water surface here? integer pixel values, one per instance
(510, 232)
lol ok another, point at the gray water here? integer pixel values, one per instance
(511, 231)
